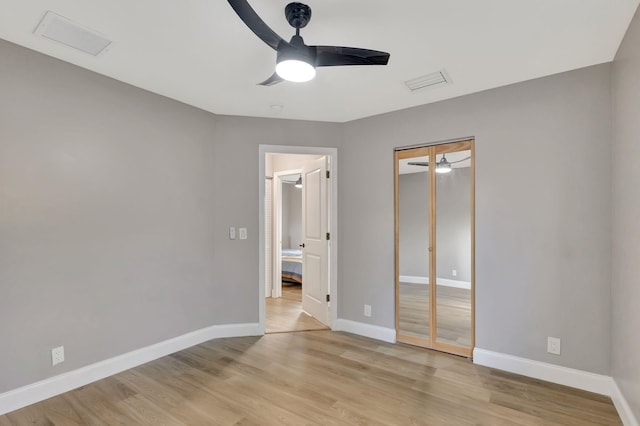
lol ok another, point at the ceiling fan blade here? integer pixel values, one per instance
(331, 56)
(274, 79)
(459, 161)
(255, 23)
(418, 163)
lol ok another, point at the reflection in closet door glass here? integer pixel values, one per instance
(453, 248)
(413, 247)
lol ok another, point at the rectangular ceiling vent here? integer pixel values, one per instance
(62, 30)
(429, 81)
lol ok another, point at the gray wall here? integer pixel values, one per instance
(453, 225)
(105, 210)
(542, 213)
(413, 209)
(626, 211)
(115, 206)
(291, 216)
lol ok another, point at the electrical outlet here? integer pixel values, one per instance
(243, 233)
(454, 273)
(367, 310)
(57, 355)
(232, 233)
(553, 345)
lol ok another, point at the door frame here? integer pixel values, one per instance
(432, 150)
(332, 167)
(276, 289)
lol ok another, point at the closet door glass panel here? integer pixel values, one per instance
(413, 245)
(453, 248)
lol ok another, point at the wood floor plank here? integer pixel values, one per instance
(58, 411)
(453, 314)
(284, 314)
(316, 378)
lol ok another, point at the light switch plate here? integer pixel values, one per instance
(232, 233)
(243, 233)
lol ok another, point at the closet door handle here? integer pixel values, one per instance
(301, 245)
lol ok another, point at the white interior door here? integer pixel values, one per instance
(268, 237)
(315, 253)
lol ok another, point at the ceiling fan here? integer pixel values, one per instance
(442, 166)
(295, 60)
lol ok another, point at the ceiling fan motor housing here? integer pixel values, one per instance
(298, 15)
(296, 50)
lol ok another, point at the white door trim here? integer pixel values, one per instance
(332, 166)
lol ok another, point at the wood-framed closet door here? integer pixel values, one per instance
(412, 243)
(438, 228)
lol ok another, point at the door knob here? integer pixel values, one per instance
(301, 245)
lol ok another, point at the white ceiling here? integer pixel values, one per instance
(200, 53)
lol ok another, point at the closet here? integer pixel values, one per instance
(434, 246)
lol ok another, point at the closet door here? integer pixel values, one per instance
(453, 249)
(413, 297)
(435, 247)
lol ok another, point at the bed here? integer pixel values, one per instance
(291, 266)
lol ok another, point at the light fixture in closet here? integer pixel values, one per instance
(299, 182)
(443, 166)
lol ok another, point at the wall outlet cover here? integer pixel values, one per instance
(553, 345)
(367, 310)
(57, 355)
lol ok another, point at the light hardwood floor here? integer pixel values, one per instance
(316, 378)
(453, 314)
(285, 314)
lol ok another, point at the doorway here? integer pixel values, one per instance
(297, 253)
(435, 264)
(284, 302)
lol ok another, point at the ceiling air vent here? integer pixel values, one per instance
(62, 30)
(429, 81)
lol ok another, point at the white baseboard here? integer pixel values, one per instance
(579, 379)
(367, 330)
(410, 279)
(623, 407)
(35, 392)
(453, 283)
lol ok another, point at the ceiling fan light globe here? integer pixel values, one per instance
(295, 70)
(443, 168)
